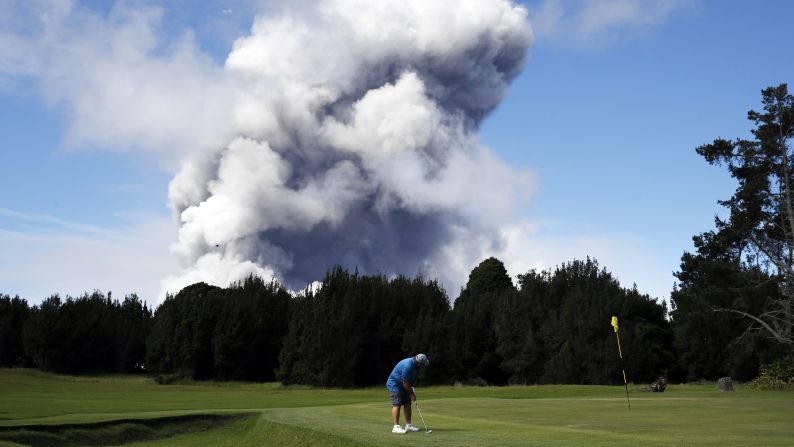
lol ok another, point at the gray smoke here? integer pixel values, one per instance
(356, 145)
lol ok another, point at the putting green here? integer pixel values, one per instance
(554, 415)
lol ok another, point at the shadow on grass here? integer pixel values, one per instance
(116, 432)
(437, 430)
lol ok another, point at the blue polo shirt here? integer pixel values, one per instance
(405, 370)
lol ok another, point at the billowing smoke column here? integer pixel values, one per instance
(356, 145)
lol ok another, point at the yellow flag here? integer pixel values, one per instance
(615, 323)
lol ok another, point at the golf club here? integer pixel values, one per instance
(423, 418)
(420, 414)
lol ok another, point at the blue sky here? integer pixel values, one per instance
(605, 116)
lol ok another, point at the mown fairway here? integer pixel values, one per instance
(275, 415)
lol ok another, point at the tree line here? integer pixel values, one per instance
(552, 327)
(89, 334)
(731, 310)
(350, 331)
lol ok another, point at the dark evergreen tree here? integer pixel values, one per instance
(354, 329)
(713, 344)
(761, 219)
(89, 334)
(519, 343)
(250, 330)
(735, 290)
(13, 316)
(42, 334)
(555, 329)
(181, 338)
(568, 331)
(205, 332)
(71, 336)
(133, 322)
(473, 326)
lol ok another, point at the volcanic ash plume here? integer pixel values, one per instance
(356, 145)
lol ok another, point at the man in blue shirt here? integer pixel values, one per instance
(401, 389)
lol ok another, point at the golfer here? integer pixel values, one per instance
(401, 389)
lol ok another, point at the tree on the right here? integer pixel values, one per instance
(745, 267)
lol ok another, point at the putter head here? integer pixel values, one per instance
(429, 431)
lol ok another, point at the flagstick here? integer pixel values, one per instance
(625, 382)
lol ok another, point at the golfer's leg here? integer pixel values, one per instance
(395, 415)
(407, 408)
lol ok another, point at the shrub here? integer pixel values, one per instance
(776, 376)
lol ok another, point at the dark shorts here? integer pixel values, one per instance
(400, 399)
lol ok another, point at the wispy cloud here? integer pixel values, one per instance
(44, 220)
(53, 255)
(598, 23)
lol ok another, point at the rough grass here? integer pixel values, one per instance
(554, 415)
(117, 432)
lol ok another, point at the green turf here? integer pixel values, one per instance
(697, 415)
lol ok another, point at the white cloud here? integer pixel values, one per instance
(122, 86)
(308, 92)
(595, 23)
(357, 140)
(213, 268)
(304, 127)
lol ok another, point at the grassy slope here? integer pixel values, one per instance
(116, 432)
(545, 415)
